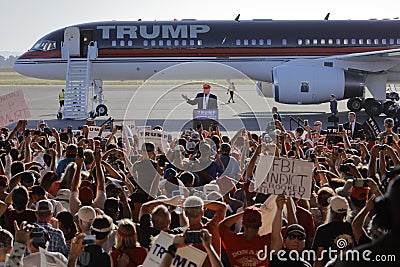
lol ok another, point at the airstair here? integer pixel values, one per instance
(79, 86)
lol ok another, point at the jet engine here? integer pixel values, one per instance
(314, 84)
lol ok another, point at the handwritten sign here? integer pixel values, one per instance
(185, 257)
(157, 137)
(13, 108)
(284, 176)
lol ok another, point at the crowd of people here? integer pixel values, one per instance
(70, 200)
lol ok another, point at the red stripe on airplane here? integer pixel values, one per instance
(213, 52)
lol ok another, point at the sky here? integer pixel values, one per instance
(23, 22)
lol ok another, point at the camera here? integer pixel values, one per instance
(48, 131)
(344, 168)
(89, 240)
(119, 127)
(275, 116)
(305, 122)
(193, 237)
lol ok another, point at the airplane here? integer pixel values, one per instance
(295, 62)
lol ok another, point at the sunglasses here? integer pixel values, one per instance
(317, 124)
(299, 237)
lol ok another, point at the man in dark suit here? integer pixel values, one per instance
(352, 127)
(203, 100)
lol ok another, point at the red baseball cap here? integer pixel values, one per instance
(206, 86)
(252, 216)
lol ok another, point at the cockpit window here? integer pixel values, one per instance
(45, 45)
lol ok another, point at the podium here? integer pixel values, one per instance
(206, 117)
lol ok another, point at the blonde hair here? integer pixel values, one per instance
(126, 235)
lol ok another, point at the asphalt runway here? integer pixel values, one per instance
(162, 104)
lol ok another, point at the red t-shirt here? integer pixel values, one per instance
(136, 255)
(306, 220)
(11, 214)
(242, 252)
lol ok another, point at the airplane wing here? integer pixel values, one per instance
(370, 62)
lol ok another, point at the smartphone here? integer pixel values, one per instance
(176, 193)
(89, 240)
(305, 122)
(48, 131)
(27, 133)
(193, 237)
(80, 151)
(362, 134)
(340, 127)
(381, 147)
(161, 160)
(321, 159)
(389, 139)
(69, 130)
(344, 168)
(36, 132)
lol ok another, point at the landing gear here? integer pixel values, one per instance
(355, 104)
(388, 108)
(373, 107)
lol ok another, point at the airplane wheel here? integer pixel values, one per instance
(387, 108)
(373, 108)
(101, 110)
(354, 104)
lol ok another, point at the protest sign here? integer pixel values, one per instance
(13, 108)
(185, 257)
(157, 137)
(291, 177)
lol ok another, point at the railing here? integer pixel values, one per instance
(299, 121)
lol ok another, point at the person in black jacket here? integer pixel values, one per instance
(204, 100)
(352, 127)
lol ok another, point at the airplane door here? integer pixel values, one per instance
(86, 38)
(72, 41)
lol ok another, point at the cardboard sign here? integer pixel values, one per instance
(93, 131)
(185, 257)
(13, 108)
(291, 177)
(157, 137)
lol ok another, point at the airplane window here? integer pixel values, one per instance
(192, 42)
(338, 41)
(184, 42)
(160, 42)
(246, 42)
(299, 41)
(168, 42)
(130, 43)
(114, 43)
(360, 41)
(199, 42)
(398, 41)
(145, 43)
(369, 41)
(353, 41)
(391, 41)
(345, 41)
(284, 41)
(315, 41)
(330, 41)
(376, 41)
(308, 41)
(122, 43)
(269, 41)
(237, 41)
(261, 42)
(153, 42)
(322, 41)
(384, 41)
(176, 42)
(253, 42)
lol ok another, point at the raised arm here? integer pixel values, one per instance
(276, 236)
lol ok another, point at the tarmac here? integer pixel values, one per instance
(162, 104)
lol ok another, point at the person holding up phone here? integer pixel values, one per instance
(388, 132)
